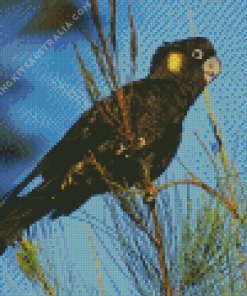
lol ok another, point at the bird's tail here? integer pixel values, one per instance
(18, 212)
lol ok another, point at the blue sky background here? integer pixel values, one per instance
(43, 104)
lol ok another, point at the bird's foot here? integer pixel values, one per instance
(150, 193)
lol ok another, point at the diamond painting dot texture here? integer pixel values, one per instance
(122, 148)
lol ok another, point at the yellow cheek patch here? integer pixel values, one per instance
(175, 62)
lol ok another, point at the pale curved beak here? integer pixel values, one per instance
(211, 69)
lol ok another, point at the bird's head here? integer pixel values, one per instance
(192, 60)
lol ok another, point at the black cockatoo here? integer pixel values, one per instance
(96, 156)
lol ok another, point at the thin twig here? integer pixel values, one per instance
(90, 84)
(133, 42)
(113, 24)
(96, 50)
(229, 183)
(161, 253)
(97, 21)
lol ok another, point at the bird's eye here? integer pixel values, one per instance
(197, 54)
